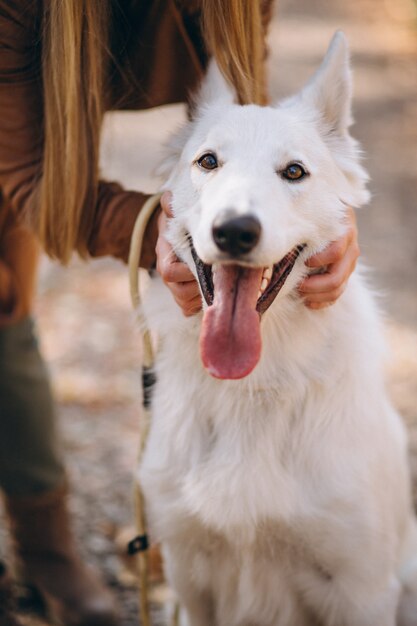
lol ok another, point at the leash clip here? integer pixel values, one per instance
(138, 544)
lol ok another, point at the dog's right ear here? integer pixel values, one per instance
(329, 91)
(214, 89)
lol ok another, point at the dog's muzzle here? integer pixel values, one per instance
(280, 272)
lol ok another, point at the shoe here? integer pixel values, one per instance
(47, 559)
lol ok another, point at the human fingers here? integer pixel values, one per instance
(194, 307)
(339, 261)
(333, 279)
(176, 275)
(184, 292)
(322, 300)
(189, 307)
(170, 268)
(335, 251)
(165, 202)
(323, 290)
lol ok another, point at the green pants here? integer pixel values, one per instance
(29, 455)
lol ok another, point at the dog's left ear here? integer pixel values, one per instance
(214, 89)
(329, 90)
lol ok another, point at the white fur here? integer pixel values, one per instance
(282, 499)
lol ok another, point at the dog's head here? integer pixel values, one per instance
(254, 188)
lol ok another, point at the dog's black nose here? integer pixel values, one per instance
(236, 235)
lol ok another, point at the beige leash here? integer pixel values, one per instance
(139, 545)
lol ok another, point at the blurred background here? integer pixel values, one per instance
(84, 317)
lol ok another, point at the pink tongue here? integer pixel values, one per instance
(230, 340)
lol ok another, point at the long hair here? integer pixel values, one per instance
(75, 38)
(233, 34)
(75, 35)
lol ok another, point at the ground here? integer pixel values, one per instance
(86, 326)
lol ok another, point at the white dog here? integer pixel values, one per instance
(275, 474)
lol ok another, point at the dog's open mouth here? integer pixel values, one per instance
(237, 296)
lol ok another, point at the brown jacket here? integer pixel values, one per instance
(158, 56)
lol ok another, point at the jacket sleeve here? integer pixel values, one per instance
(20, 107)
(21, 138)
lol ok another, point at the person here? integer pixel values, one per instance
(62, 65)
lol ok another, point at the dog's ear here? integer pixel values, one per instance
(329, 90)
(214, 89)
(328, 96)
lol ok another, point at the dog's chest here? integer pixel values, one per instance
(251, 578)
(221, 457)
(236, 453)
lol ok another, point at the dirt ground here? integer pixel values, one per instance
(83, 312)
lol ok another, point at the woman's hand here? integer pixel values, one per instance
(175, 274)
(318, 291)
(322, 290)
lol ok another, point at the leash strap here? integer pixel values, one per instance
(136, 242)
(139, 545)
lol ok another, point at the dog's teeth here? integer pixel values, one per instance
(259, 294)
(264, 284)
(267, 273)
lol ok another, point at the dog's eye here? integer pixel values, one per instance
(294, 171)
(208, 161)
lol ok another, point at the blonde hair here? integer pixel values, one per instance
(74, 70)
(233, 34)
